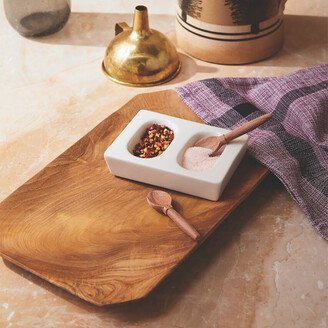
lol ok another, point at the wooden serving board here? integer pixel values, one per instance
(93, 234)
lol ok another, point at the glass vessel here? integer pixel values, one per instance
(37, 17)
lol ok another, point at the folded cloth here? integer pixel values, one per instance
(293, 144)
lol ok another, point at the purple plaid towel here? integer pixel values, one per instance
(293, 144)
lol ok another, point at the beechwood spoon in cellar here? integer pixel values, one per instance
(215, 143)
(161, 201)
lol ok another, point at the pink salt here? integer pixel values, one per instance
(198, 159)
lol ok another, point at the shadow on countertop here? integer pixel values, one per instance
(305, 44)
(96, 29)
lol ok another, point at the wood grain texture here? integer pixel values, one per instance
(93, 234)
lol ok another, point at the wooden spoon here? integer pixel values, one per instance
(216, 142)
(161, 201)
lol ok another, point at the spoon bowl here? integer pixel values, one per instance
(215, 143)
(161, 201)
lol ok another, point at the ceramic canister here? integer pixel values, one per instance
(230, 31)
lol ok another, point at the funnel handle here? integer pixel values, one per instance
(120, 27)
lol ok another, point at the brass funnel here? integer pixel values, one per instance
(140, 56)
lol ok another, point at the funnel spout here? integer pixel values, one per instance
(140, 20)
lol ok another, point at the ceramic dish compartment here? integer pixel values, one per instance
(191, 142)
(165, 170)
(141, 130)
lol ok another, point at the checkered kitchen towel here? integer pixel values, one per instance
(293, 144)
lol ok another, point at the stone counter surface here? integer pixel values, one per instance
(264, 267)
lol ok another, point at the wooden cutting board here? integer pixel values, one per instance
(93, 234)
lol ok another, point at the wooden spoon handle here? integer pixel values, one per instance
(183, 224)
(249, 126)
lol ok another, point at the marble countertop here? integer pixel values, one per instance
(265, 269)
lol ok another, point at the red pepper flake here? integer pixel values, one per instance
(154, 141)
